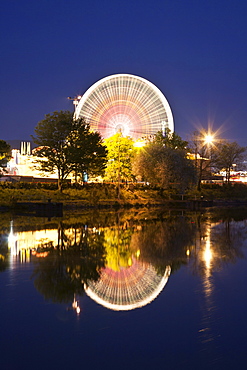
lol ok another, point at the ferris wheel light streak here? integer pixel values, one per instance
(125, 103)
(129, 288)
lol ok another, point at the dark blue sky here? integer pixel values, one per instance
(194, 51)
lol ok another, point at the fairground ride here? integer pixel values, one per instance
(125, 103)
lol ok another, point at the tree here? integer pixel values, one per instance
(165, 167)
(87, 153)
(5, 155)
(170, 140)
(67, 145)
(226, 155)
(201, 152)
(120, 154)
(51, 137)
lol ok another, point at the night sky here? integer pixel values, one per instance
(194, 51)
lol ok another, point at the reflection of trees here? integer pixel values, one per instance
(221, 238)
(156, 237)
(164, 242)
(4, 260)
(117, 247)
(228, 214)
(227, 240)
(77, 259)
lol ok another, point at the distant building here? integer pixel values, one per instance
(22, 164)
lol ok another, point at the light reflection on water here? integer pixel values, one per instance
(130, 264)
(206, 332)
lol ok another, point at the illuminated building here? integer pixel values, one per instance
(23, 164)
(125, 103)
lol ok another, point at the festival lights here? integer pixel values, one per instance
(125, 103)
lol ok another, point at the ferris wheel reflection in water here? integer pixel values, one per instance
(125, 279)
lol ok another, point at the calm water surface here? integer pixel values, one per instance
(135, 290)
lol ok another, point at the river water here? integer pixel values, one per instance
(143, 289)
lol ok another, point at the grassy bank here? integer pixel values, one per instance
(108, 194)
(88, 195)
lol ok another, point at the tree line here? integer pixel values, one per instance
(70, 148)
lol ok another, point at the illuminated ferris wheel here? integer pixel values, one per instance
(125, 103)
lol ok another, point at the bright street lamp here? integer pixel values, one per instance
(208, 139)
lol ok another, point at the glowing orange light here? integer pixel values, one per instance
(208, 139)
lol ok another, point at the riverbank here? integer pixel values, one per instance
(109, 196)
